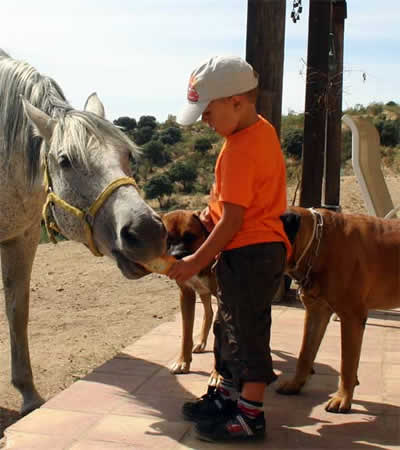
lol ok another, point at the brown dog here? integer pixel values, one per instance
(186, 233)
(347, 264)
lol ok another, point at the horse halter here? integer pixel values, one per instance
(87, 216)
(315, 238)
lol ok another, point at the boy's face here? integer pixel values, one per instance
(222, 115)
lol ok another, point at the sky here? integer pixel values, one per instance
(138, 55)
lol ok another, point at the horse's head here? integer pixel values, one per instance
(88, 167)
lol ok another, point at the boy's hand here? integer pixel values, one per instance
(184, 269)
(206, 220)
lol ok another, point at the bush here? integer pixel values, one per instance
(154, 151)
(202, 145)
(185, 173)
(147, 121)
(159, 187)
(389, 131)
(171, 135)
(127, 123)
(293, 142)
(142, 135)
(375, 108)
(292, 120)
(346, 146)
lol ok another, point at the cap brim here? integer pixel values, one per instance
(191, 112)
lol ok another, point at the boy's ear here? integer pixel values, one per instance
(237, 101)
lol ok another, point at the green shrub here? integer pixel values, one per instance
(155, 152)
(293, 142)
(171, 135)
(202, 145)
(389, 131)
(185, 173)
(127, 123)
(147, 121)
(159, 187)
(143, 134)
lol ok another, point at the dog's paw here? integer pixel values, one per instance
(199, 347)
(338, 404)
(289, 387)
(179, 367)
(214, 379)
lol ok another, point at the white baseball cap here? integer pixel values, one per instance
(219, 77)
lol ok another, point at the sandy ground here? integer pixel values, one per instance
(83, 311)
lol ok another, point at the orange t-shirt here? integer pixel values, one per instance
(250, 171)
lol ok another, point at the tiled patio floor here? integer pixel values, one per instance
(133, 402)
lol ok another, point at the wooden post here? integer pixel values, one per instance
(334, 126)
(265, 46)
(322, 121)
(315, 105)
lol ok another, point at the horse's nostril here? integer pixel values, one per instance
(128, 236)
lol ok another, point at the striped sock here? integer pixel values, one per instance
(227, 390)
(249, 408)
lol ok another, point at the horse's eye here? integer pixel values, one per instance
(64, 162)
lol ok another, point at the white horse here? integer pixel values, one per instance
(78, 163)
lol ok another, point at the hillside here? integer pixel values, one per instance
(175, 169)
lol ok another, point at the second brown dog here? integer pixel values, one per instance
(186, 234)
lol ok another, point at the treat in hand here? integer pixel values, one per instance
(160, 265)
(163, 263)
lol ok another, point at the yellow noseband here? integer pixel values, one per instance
(87, 217)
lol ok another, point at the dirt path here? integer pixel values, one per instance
(83, 311)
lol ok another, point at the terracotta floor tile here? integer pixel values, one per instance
(28, 441)
(95, 397)
(54, 422)
(142, 432)
(392, 370)
(101, 445)
(133, 402)
(167, 408)
(159, 349)
(129, 366)
(175, 386)
(275, 439)
(392, 357)
(392, 386)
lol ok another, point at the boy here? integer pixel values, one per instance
(246, 201)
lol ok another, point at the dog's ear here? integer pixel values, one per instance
(291, 224)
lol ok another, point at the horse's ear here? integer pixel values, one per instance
(94, 105)
(42, 123)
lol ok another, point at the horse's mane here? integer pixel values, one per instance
(75, 128)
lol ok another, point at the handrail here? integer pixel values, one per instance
(366, 162)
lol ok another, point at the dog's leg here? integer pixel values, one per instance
(187, 301)
(316, 320)
(206, 324)
(352, 331)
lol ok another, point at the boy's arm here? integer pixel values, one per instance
(224, 231)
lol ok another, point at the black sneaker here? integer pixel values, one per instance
(208, 407)
(237, 426)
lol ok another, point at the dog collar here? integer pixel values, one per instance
(316, 237)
